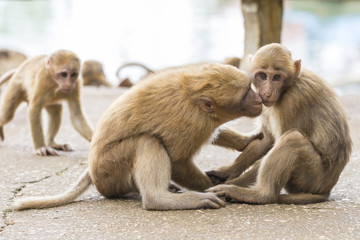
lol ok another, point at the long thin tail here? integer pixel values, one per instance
(53, 201)
(148, 70)
(4, 78)
(302, 198)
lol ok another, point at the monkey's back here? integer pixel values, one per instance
(25, 75)
(158, 107)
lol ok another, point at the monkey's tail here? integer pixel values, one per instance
(302, 198)
(53, 201)
(132, 64)
(4, 78)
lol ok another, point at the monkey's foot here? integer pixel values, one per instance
(2, 137)
(61, 147)
(46, 151)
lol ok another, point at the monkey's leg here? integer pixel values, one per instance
(231, 139)
(248, 178)
(253, 152)
(37, 131)
(188, 175)
(54, 111)
(152, 173)
(9, 103)
(78, 119)
(292, 158)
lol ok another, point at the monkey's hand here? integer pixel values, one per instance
(174, 189)
(46, 151)
(61, 147)
(2, 137)
(259, 136)
(216, 177)
(229, 192)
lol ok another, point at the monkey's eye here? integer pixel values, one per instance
(262, 76)
(277, 77)
(73, 75)
(63, 74)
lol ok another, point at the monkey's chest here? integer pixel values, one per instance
(273, 122)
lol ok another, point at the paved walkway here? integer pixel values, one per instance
(93, 217)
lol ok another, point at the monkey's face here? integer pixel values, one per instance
(269, 84)
(251, 104)
(66, 79)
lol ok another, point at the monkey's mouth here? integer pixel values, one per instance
(268, 103)
(66, 90)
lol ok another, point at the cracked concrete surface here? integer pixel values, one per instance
(93, 217)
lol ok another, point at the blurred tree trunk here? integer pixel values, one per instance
(263, 22)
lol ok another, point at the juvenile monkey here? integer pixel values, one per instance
(43, 82)
(150, 134)
(306, 142)
(92, 73)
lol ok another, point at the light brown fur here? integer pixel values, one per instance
(150, 134)
(233, 61)
(92, 73)
(39, 82)
(10, 59)
(306, 142)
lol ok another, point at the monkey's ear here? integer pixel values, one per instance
(48, 63)
(297, 64)
(250, 58)
(207, 104)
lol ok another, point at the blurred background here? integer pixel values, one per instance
(163, 33)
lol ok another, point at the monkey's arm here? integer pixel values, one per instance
(188, 175)
(253, 152)
(37, 131)
(231, 139)
(78, 119)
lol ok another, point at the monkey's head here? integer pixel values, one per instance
(224, 92)
(92, 73)
(64, 68)
(273, 71)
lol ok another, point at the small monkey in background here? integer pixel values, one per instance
(306, 142)
(43, 82)
(150, 134)
(10, 59)
(233, 61)
(126, 82)
(92, 73)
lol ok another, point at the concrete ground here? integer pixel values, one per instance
(93, 217)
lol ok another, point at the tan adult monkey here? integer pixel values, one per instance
(43, 82)
(150, 134)
(306, 142)
(92, 73)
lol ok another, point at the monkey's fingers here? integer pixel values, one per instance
(216, 177)
(47, 151)
(2, 137)
(212, 201)
(219, 188)
(174, 189)
(259, 136)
